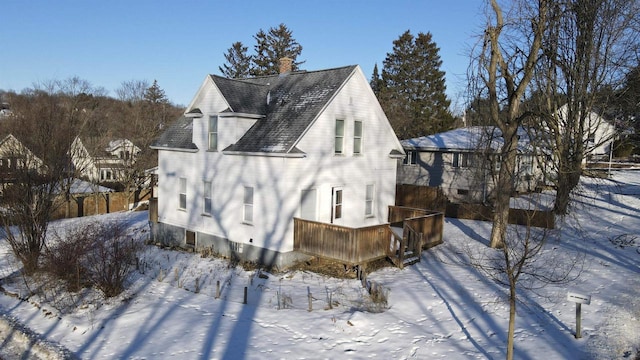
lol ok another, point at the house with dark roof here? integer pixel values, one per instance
(250, 157)
(464, 163)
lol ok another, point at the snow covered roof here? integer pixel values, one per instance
(79, 186)
(464, 139)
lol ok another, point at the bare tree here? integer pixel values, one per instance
(45, 119)
(588, 44)
(526, 263)
(504, 68)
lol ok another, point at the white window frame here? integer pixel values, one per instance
(182, 193)
(338, 146)
(357, 137)
(207, 204)
(337, 202)
(247, 205)
(212, 131)
(369, 200)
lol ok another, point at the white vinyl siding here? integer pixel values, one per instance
(308, 204)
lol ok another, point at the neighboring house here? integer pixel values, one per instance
(100, 162)
(251, 155)
(15, 157)
(599, 135)
(464, 162)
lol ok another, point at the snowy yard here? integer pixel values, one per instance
(438, 308)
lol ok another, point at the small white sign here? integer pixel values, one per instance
(579, 298)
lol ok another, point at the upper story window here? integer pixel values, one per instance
(339, 139)
(213, 133)
(357, 137)
(411, 158)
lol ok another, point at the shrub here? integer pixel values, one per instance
(63, 260)
(111, 258)
(99, 254)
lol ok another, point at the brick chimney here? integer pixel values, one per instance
(285, 65)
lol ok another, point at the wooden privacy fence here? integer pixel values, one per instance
(91, 204)
(425, 197)
(349, 245)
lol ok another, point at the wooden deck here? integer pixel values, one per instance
(357, 246)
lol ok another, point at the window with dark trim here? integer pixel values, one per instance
(411, 158)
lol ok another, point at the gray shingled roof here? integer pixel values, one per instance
(178, 135)
(294, 100)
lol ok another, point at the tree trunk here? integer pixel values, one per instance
(504, 187)
(512, 318)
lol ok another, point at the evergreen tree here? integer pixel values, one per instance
(238, 62)
(413, 87)
(376, 81)
(270, 47)
(155, 95)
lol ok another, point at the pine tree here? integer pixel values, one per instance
(238, 62)
(376, 81)
(413, 87)
(155, 95)
(270, 47)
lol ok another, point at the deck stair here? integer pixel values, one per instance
(406, 245)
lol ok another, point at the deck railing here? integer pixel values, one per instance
(428, 223)
(345, 244)
(422, 229)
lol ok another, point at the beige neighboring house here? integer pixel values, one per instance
(100, 162)
(15, 156)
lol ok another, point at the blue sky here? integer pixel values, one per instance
(179, 42)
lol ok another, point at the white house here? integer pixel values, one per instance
(599, 134)
(250, 155)
(464, 162)
(98, 162)
(14, 157)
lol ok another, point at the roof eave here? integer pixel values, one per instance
(168, 148)
(267, 154)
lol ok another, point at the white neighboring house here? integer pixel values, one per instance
(463, 163)
(249, 155)
(14, 157)
(102, 163)
(599, 135)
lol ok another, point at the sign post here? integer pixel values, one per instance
(579, 300)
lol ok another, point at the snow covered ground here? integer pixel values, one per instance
(438, 308)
